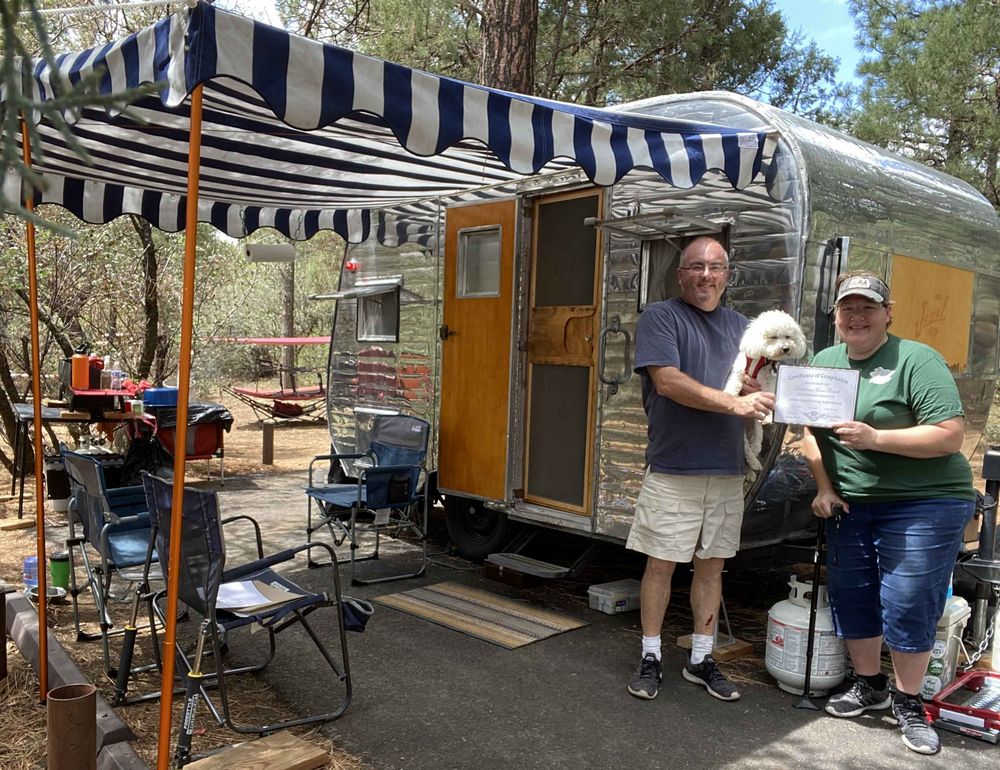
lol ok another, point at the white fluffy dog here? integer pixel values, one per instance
(771, 337)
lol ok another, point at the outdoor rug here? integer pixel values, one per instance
(495, 619)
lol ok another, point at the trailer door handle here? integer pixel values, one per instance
(614, 327)
(444, 332)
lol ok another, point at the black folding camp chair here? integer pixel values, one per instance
(387, 498)
(229, 599)
(116, 528)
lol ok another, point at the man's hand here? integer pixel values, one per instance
(757, 405)
(750, 385)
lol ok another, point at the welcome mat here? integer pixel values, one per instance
(486, 616)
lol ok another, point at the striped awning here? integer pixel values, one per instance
(301, 136)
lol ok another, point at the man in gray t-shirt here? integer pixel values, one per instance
(690, 506)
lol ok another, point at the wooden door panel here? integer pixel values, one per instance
(475, 363)
(562, 327)
(562, 334)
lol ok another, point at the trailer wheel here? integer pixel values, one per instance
(476, 531)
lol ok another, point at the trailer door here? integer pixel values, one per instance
(475, 352)
(562, 328)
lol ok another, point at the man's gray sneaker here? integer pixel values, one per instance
(860, 698)
(912, 720)
(707, 674)
(645, 683)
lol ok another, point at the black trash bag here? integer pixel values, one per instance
(146, 453)
(357, 613)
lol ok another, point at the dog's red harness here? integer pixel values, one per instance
(756, 364)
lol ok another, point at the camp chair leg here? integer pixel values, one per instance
(192, 694)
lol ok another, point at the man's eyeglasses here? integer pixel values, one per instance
(697, 267)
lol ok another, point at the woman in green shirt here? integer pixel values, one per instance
(900, 493)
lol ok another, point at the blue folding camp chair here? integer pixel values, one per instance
(115, 525)
(235, 598)
(387, 498)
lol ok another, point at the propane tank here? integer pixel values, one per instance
(788, 637)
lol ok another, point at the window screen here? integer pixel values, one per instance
(479, 262)
(378, 317)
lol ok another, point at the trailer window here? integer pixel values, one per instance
(378, 317)
(479, 262)
(658, 265)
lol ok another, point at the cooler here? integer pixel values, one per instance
(56, 483)
(947, 643)
(204, 440)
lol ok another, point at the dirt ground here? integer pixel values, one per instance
(22, 720)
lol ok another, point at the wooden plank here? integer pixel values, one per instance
(267, 448)
(28, 497)
(26, 523)
(727, 651)
(281, 751)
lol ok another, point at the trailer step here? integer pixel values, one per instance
(526, 565)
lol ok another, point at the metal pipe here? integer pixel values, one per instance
(36, 402)
(806, 701)
(71, 715)
(172, 570)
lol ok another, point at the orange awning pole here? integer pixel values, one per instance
(36, 401)
(180, 431)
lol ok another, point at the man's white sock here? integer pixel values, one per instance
(651, 644)
(701, 645)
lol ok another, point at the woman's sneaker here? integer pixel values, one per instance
(860, 698)
(645, 683)
(912, 720)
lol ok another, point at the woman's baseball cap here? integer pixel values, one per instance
(865, 285)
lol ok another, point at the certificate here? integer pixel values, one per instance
(817, 396)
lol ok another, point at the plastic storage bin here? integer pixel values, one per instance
(160, 397)
(615, 597)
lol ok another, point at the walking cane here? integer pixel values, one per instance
(806, 702)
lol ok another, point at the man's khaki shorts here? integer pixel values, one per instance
(677, 517)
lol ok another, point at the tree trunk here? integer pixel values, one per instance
(507, 57)
(8, 396)
(55, 329)
(288, 325)
(150, 298)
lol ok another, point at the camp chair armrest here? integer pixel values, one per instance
(256, 530)
(332, 457)
(279, 557)
(122, 518)
(389, 469)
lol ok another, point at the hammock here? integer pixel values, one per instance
(283, 403)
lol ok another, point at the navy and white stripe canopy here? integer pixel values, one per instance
(302, 136)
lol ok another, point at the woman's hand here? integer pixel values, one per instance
(856, 435)
(829, 503)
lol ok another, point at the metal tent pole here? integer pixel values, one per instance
(36, 401)
(180, 431)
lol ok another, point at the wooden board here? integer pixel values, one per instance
(67, 414)
(724, 652)
(281, 751)
(26, 523)
(933, 306)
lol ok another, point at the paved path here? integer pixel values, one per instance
(428, 697)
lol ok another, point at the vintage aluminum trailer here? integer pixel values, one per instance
(505, 316)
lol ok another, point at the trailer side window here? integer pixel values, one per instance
(479, 262)
(658, 266)
(378, 316)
